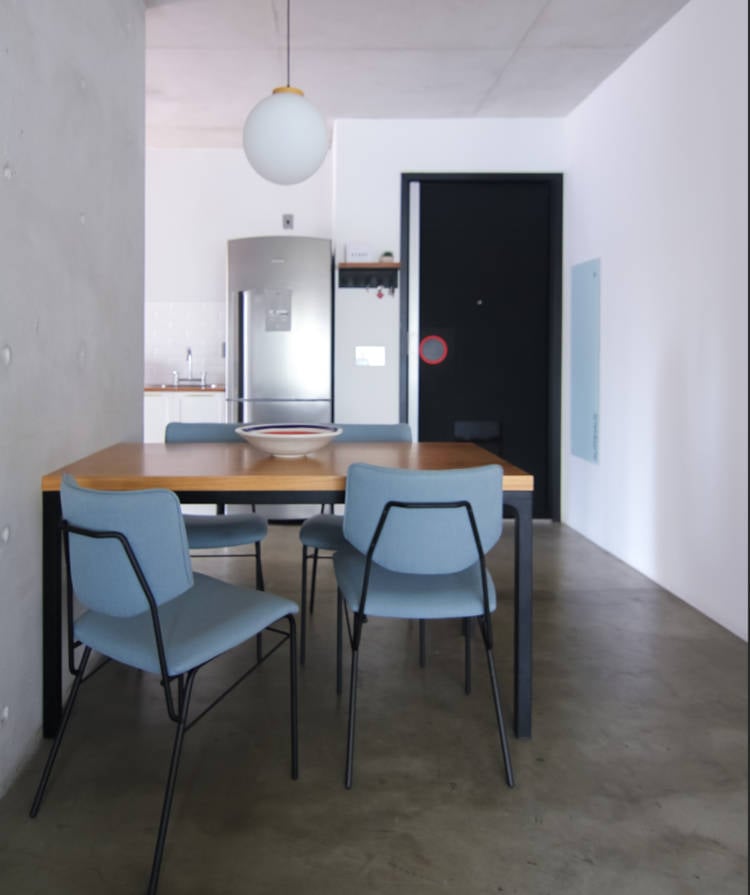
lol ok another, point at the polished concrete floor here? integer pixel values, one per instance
(634, 782)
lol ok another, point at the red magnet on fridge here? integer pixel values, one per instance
(433, 350)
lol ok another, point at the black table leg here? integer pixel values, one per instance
(520, 504)
(51, 614)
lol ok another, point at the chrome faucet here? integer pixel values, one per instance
(189, 359)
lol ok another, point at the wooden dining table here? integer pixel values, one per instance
(237, 473)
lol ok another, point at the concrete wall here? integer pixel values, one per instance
(71, 289)
(657, 188)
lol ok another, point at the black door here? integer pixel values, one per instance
(489, 273)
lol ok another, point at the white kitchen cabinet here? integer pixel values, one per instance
(155, 416)
(162, 407)
(201, 407)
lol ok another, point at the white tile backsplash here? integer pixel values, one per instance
(173, 327)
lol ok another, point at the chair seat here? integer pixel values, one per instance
(200, 624)
(404, 595)
(323, 532)
(225, 530)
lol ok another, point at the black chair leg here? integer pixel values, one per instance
(260, 583)
(303, 608)
(339, 640)
(313, 579)
(184, 695)
(293, 695)
(422, 643)
(352, 716)
(467, 655)
(41, 789)
(499, 716)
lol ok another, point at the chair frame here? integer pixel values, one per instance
(313, 553)
(354, 630)
(310, 553)
(221, 510)
(178, 713)
(203, 433)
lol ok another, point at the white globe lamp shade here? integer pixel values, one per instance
(285, 137)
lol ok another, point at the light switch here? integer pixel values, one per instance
(369, 356)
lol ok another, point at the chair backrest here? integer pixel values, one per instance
(102, 576)
(193, 432)
(423, 541)
(374, 432)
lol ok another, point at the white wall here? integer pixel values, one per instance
(655, 166)
(657, 188)
(370, 157)
(196, 200)
(71, 289)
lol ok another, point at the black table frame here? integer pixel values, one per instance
(517, 504)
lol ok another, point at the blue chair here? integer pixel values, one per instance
(415, 548)
(128, 564)
(221, 530)
(324, 531)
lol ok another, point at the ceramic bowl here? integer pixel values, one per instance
(288, 439)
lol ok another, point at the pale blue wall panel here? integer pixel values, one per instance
(584, 360)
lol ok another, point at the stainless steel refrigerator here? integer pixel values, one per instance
(279, 329)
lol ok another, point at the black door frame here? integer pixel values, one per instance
(555, 183)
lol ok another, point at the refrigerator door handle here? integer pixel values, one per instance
(277, 400)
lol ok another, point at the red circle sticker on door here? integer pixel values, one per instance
(433, 350)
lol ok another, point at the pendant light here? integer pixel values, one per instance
(285, 137)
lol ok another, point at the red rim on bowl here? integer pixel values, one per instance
(288, 429)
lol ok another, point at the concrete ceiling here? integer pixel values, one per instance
(208, 62)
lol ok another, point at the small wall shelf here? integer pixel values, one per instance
(369, 275)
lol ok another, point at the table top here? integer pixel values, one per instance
(234, 466)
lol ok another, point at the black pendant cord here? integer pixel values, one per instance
(288, 46)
